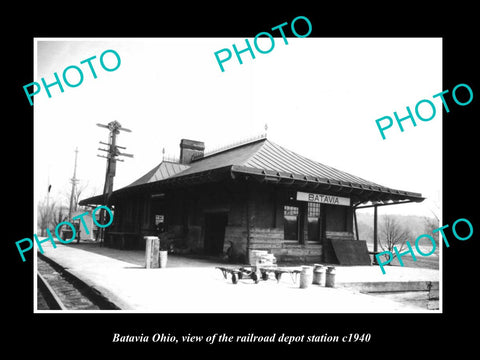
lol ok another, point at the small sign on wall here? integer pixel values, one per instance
(159, 219)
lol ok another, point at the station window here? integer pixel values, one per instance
(313, 210)
(290, 221)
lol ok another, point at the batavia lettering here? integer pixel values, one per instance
(249, 49)
(59, 226)
(72, 80)
(324, 199)
(430, 238)
(425, 110)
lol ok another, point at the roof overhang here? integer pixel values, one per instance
(359, 193)
(208, 176)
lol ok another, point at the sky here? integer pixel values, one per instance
(319, 97)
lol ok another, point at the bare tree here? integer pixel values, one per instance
(76, 196)
(45, 216)
(79, 189)
(393, 235)
(431, 224)
(59, 215)
(49, 216)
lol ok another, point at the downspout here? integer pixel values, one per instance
(248, 221)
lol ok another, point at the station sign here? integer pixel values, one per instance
(323, 199)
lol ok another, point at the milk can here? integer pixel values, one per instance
(305, 277)
(162, 258)
(318, 274)
(330, 277)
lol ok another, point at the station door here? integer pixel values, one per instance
(215, 224)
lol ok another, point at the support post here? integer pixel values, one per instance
(356, 224)
(375, 235)
(247, 211)
(72, 194)
(302, 223)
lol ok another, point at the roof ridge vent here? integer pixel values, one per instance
(230, 146)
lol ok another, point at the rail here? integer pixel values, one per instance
(49, 294)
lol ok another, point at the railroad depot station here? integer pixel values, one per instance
(255, 195)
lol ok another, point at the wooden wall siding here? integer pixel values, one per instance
(236, 237)
(310, 253)
(124, 240)
(192, 240)
(255, 220)
(339, 218)
(236, 215)
(340, 235)
(263, 211)
(146, 212)
(271, 239)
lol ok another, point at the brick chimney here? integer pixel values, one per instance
(190, 148)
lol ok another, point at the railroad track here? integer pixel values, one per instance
(57, 289)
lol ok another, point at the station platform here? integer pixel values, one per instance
(194, 285)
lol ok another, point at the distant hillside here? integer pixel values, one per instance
(416, 225)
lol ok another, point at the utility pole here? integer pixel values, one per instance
(47, 221)
(112, 154)
(74, 181)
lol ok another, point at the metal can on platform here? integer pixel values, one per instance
(162, 258)
(305, 277)
(318, 274)
(330, 277)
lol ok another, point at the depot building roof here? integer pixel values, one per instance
(267, 162)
